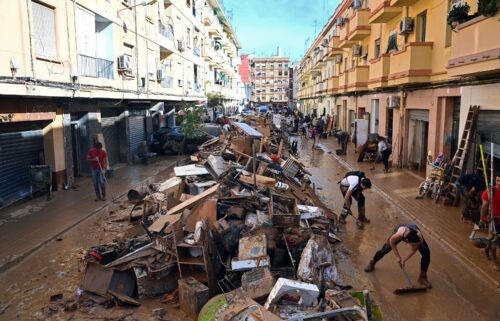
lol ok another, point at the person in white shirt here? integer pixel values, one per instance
(352, 186)
(385, 150)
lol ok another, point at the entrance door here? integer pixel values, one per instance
(137, 134)
(352, 121)
(417, 139)
(374, 116)
(455, 126)
(390, 122)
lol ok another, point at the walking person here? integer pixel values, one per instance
(98, 160)
(314, 136)
(410, 234)
(343, 140)
(352, 186)
(385, 150)
(470, 188)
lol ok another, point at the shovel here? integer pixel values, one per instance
(411, 288)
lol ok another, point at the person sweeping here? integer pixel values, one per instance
(410, 234)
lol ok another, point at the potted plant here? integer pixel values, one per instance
(457, 15)
(488, 8)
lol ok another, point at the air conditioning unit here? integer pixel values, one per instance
(356, 50)
(406, 25)
(124, 62)
(393, 101)
(341, 21)
(325, 43)
(160, 74)
(338, 59)
(356, 4)
(180, 45)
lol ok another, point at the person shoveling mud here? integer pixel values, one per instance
(411, 234)
(352, 186)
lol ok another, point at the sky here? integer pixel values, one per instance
(263, 25)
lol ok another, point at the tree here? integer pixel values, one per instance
(214, 101)
(189, 116)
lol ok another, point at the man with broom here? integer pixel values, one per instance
(410, 234)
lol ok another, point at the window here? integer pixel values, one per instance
(280, 65)
(421, 26)
(377, 48)
(392, 42)
(151, 65)
(188, 37)
(286, 73)
(280, 73)
(188, 3)
(44, 26)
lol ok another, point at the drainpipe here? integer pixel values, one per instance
(136, 51)
(402, 125)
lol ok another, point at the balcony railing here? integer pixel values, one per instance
(359, 27)
(382, 11)
(475, 49)
(95, 67)
(379, 71)
(358, 78)
(411, 65)
(167, 82)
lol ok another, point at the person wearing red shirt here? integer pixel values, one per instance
(491, 250)
(98, 160)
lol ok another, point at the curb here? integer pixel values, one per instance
(18, 259)
(470, 265)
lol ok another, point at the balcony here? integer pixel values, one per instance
(167, 82)
(379, 71)
(344, 34)
(402, 3)
(475, 49)
(333, 48)
(358, 78)
(95, 67)
(359, 27)
(413, 64)
(166, 39)
(382, 11)
(333, 85)
(343, 82)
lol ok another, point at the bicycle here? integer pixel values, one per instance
(433, 186)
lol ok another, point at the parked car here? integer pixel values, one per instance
(170, 140)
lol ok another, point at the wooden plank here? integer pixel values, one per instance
(160, 223)
(261, 180)
(280, 148)
(249, 131)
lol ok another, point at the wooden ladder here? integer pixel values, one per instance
(459, 162)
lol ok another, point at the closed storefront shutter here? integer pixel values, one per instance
(137, 134)
(110, 131)
(18, 150)
(419, 114)
(488, 128)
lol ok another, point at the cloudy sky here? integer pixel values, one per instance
(262, 25)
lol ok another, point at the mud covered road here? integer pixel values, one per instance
(457, 294)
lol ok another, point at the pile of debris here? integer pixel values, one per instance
(239, 234)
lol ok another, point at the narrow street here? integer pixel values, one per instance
(458, 292)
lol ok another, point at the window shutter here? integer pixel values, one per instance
(44, 31)
(85, 32)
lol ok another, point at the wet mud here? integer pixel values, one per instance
(457, 294)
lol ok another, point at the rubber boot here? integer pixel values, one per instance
(342, 218)
(422, 280)
(370, 267)
(361, 215)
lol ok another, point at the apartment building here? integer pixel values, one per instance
(270, 81)
(245, 76)
(77, 71)
(398, 64)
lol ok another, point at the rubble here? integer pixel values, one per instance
(240, 218)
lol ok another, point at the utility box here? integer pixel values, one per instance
(193, 295)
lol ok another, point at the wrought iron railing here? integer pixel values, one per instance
(95, 67)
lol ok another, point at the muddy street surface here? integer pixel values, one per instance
(457, 293)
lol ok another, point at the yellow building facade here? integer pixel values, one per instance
(399, 64)
(76, 71)
(270, 80)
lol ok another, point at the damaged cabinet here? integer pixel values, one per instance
(194, 260)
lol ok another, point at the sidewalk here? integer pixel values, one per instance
(442, 222)
(26, 227)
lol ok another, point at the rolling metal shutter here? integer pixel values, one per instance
(419, 114)
(18, 150)
(487, 127)
(110, 131)
(137, 134)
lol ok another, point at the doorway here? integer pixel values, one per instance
(374, 117)
(390, 124)
(418, 134)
